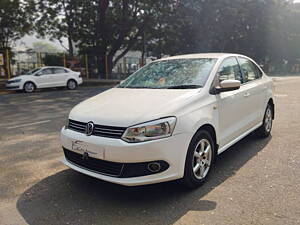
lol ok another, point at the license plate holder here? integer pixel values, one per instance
(79, 147)
(82, 147)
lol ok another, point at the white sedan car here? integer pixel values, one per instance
(45, 77)
(169, 120)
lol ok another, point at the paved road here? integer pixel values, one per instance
(254, 182)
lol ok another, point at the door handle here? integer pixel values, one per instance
(246, 94)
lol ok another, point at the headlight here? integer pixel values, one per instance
(150, 130)
(15, 81)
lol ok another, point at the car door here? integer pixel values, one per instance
(231, 104)
(254, 89)
(43, 78)
(59, 77)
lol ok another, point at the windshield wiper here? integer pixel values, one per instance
(184, 86)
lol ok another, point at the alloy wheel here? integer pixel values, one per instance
(268, 119)
(202, 159)
(29, 87)
(71, 84)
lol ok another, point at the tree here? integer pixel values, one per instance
(101, 28)
(58, 19)
(16, 18)
(107, 27)
(237, 26)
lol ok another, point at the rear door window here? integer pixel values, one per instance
(58, 70)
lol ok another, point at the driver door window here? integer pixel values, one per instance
(230, 70)
(46, 72)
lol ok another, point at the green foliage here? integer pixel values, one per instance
(267, 30)
(215, 26)
(59, 19)
(16, 18)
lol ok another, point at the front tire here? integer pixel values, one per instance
(72, 85)
(265, 130)
(199, 159)
(29, 87)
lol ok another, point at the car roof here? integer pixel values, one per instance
(45, 67)
(201, 55)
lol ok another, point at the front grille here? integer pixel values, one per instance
(99, 130)
(93, 164)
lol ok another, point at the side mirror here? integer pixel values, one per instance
(228, 85)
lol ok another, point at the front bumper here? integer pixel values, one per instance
(171, 150)
(13, 86)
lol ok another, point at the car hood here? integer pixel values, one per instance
(125, 107)
(18, 77)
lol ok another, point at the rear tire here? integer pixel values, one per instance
(199, 160)
(264, 130)
(72, 84)
(29, 87)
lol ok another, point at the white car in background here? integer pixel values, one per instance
(45, 77)
(169, 120)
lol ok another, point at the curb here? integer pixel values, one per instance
(86, 83)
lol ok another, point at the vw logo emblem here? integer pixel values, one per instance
(89, 128)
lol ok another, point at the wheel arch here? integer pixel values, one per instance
(71, 78)
(30, 81)
(210, 128)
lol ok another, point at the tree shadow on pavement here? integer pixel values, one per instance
(72, 198)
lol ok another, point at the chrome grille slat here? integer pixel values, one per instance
(99, 130)
(79, 126)
(77, 122)
(107, 129)
(108, 132)
(103, 133)
(81, 130)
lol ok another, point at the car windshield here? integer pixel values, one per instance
(172, 74)
(32, 71)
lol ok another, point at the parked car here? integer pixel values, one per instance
(169, 120)
(45, 77)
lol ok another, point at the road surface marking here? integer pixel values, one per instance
(280, 95)
(29, 124)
